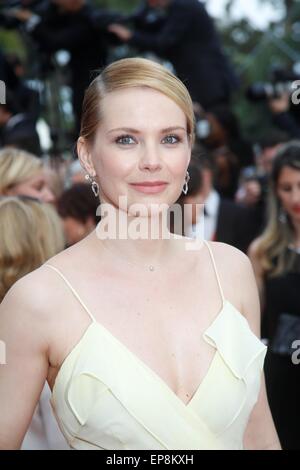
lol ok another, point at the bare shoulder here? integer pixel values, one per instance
(229, 257)
(35, 297)
(25, 309)
(237, 276)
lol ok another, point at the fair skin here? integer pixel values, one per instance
(36, 186)
(288, 192)
(127, 299)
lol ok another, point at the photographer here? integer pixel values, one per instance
(283, 116)
(277, 93)
(69, 24)
(182, 32)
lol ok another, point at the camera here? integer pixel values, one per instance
(281, 82)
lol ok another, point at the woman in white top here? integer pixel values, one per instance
(148, 341)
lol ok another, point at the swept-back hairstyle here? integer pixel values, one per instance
(128, 73)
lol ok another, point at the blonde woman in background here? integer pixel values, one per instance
(30, 233)
(21, 173)
(276, 260)
(21, 251)
(50, 228)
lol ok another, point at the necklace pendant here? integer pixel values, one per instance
(151, 268)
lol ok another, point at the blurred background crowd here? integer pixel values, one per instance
(245, 170)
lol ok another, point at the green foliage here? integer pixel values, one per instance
(119, 5)
(255, 53)
(11, 41)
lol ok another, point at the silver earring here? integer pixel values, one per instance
(282, 216)
(185, 186)
(94, 185)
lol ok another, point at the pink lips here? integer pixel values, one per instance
(150, 187)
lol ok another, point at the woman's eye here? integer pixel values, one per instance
(171, 139)
(286, 189)
(125, 140)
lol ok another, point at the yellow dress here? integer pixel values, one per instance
(105, 397)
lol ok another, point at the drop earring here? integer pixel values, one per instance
(185, 186)
(282, 216)
(94, 185)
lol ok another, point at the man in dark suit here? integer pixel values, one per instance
(182, 32)
(219, 219)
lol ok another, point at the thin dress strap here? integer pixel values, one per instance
(215, 269)
(72, 290)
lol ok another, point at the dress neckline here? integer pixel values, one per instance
(135, 359)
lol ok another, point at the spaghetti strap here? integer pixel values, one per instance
(72, 290)
(215, 269)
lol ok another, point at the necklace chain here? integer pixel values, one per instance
(148, 267)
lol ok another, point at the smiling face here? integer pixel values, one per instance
(288, 190)
(142, 138)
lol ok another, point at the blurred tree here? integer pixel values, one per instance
(256, 53)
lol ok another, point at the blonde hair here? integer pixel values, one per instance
(16, 166)
(21, 251)
(50, 228)
(128, 73)
(271, 246)
(30, 233)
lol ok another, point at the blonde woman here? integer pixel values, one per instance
(21, 250)
(22, 173)
(30, 234)
(147, 340)
(276, 260)
(50, 228)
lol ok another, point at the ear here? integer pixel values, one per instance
(85, 157)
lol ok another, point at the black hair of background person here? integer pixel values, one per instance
(236, 142)
(186, 36)
(79, 203)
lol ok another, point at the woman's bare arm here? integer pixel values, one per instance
(260, 433)
(23, 332)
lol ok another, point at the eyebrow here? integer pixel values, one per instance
(136, 131)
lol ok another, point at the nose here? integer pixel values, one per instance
(296, 195)
(150, 159)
